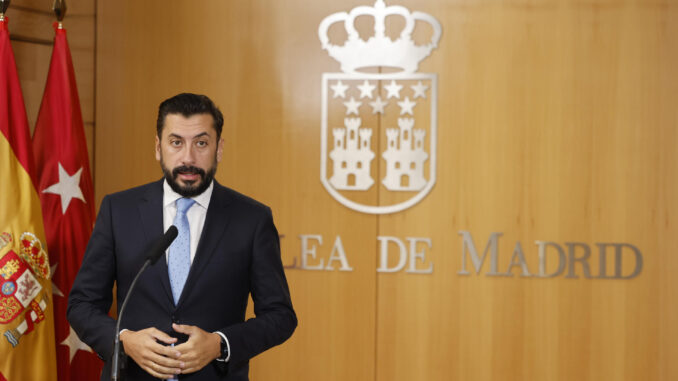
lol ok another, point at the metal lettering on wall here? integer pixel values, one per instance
(544, 259)
(355, 104)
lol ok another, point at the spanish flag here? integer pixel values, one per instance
(26, 311)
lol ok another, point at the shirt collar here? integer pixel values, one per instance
(170, 196)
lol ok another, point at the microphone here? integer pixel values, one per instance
(157, 250)
(161, 245)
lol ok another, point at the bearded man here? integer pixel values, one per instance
(186, 318)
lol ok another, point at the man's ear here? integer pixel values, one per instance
(157, 148)
(220, 149)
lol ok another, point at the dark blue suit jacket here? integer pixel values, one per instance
(238, 254)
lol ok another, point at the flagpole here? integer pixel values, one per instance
(4, 4)
(59, 9)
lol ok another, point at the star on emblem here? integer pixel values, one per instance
(366, 90)
(406, 106)
(352, 106)
(393, 90)
(55, 289)
(74, 344)
(419, 90)
(68, 188)
(378, 105)
(339, 89)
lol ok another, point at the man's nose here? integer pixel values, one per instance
(188, 155)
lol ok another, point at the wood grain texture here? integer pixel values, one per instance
(555, 129)
(557, 122)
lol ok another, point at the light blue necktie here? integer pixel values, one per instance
(180, 251)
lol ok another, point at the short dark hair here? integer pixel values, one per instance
(188, 104)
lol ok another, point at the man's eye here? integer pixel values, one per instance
(175, 143)
(201, 143)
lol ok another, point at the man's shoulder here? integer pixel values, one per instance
(141, 191)
(238, 199)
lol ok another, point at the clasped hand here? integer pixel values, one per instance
(146, 348)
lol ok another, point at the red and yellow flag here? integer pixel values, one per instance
(26, 309)
(67, 195)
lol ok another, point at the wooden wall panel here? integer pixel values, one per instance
(555, 130)
(556, 122)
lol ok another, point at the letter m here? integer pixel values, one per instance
(469, 250)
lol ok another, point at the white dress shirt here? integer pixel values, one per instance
(196, 220)
(196, 213)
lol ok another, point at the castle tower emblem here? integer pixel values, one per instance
(405, 157)
(379, 126)
(351, 156)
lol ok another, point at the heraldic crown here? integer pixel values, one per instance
(379, 50)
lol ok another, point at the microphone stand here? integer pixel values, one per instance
(157, 250)
(116, 346)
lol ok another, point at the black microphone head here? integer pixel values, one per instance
(171, 234)
(161, 245)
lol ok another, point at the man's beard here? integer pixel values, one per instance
(193, 188)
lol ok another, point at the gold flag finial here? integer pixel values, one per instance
(59, 9)
(4, 4)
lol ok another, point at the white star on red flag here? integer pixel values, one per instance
(68, 188)
(74, 344)
(55, 289)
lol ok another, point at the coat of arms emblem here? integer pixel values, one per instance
(23, 299)
(379, 128)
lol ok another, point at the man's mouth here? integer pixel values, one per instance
(188, 174)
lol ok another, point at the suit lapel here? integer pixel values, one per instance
(150, 209)
(216, 221)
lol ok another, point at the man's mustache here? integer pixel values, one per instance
(187, 169)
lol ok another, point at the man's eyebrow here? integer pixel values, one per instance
(200, 135)
(173, 135)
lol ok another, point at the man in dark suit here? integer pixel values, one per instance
(186, 318)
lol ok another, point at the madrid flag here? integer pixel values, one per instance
(65, 187)
(26, 320)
